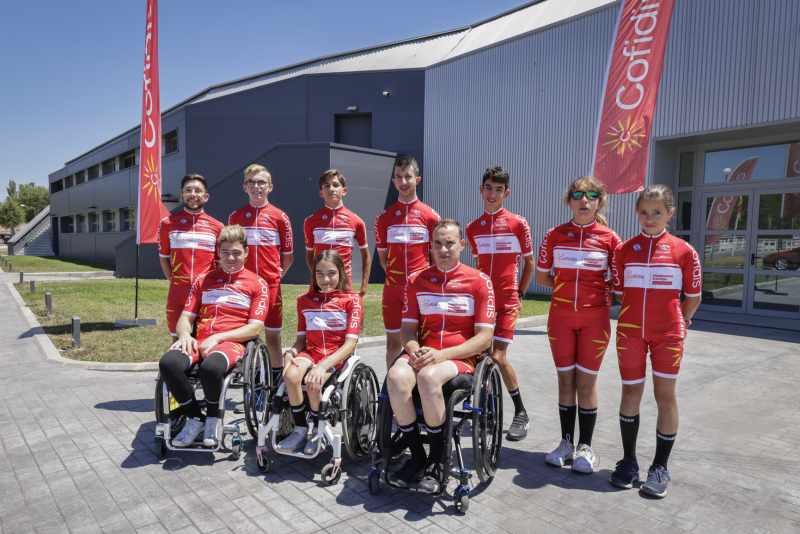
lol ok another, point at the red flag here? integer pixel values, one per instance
(719, 216)
(150, 209)
(630, 90)
(793, 160)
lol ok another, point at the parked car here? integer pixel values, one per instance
(783, 260)
(5, 237)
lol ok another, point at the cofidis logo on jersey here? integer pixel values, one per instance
(562, 258)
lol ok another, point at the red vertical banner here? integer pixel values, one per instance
(629, 94)
(793, 160)
(719, 215)
(150, 209)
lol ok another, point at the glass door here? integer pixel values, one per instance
(724, 249)
(774, 258)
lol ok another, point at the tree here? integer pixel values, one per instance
(34, 197)
(12, 190)
(11, 215)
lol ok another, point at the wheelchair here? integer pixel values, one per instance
(476, 398)
(349, 397)
(252, 374)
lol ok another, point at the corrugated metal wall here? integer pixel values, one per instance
(531, 104)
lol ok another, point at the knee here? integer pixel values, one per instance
(499, 358)
(632, 391)
(426, 378)
(585, 390)
(666, 399)
(566, 382)
(293, 375)
(213, 367)
(400, 380)
(172, 363)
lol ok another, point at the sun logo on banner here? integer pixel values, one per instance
(151, 173)
(718, 223)
(624, 137)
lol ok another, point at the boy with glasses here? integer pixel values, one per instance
(269, 239)
(187, 245)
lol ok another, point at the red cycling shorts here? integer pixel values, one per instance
(176, 299)
(506, 305)
(317, 357)
(393, 303)
(232, 351)
(274, 319)
(665, 357)
(578, 339)
(461, 367)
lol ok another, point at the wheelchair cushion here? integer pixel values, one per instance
(460, 381)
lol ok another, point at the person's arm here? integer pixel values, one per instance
(409, 337)
(247, 332)
(287, 258)
(545, 279)
(692, 284)
(382, 258)
(310, 261)
(688, 308)
(287, 245)
(185, 342)
(527, 272)
(365, 268)
(166, 266)
(545, 262)
(164, 249)
(316, 377)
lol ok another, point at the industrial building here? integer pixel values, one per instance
(522, 90)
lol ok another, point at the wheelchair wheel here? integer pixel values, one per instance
(258, 385)
(487, 425)
(389, 435)
(326, 473)
(176, 418)
(360, 420)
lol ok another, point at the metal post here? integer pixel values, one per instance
(10, 267)
(48, 303)
(76, 332)
(21, 277)
(136, 306)
(33, 288)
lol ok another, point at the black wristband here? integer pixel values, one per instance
(521, 294)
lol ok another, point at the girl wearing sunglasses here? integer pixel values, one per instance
(574, 260)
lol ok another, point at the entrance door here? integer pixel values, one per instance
(774, 258)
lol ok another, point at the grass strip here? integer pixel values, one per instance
(54, 264)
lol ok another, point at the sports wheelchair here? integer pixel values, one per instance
(476, 398)
(252, 374)
(349, 396)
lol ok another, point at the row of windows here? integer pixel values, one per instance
(121, 162)
(100, 222)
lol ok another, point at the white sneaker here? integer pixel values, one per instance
(311, 445)
(584, 459)
(190, 431)
(564, 452)
(211, 436)
(295, 440)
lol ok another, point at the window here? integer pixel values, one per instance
(80, 177)
(109, 166)
(127, 160)
(752, 163)
(94, 222)
(170, 143)
(67, 225)
(69, 182)
(94, 172)
(57, 186)
(129, 219)
(81, 223)
(110, 220)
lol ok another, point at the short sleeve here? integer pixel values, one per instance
(471, 240)
(286, 234)
(301, 318)
(432, 220)
(361, 233)
(410, 305)
(618, 270)
(308, 233)
(484, 302)
(232, 219)
(163, 238)
(259, 301)
(380, 232)
(354, 314)
(524, 237)
(192, 305)
(692, 274)
(545, 262)
(218, 231)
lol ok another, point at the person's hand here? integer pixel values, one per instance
(315, 378)
(687, 321)
(289, 358)
(363, 292)
(207, 345)
(427, 356)
(186, 344)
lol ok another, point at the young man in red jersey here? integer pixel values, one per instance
(187, 245)
(269, 239)
(335, 227)
(403, 237)
(499, 239)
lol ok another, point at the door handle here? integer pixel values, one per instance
(752, 259)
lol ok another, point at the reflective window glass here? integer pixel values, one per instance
(726, 251)
(686, 170)
(752, 163)
(720, 289)
(780, 252)
(777, 293)
(779, 212)
(726, 213)
(684, 221)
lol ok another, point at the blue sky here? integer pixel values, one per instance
(71, 71)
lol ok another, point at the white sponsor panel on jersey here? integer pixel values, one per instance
(570, 258)
(458, 305)
(196, 240)
(498, 244)
(325, 320)
(407, 234)
(325, 236)
(262, 236)
(653, 277)
(222, 297)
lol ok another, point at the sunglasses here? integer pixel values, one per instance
(591, 195)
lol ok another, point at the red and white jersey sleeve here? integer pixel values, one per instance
(269, 237)
(403, 230)
(498, 241)
(189, 240)
(580, 258)
(223, 301)
(649, 273)
(335, 229)
(328, 319)
(449, 305)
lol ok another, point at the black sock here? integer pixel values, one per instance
(436, 435)
(314, 417)
(212, 408)
(413, 440)
(567, 415)
(276, 375)
(191, 408)
(629, 427)
(299, 413)
(664, 445)
(586, 420)
(517, 398)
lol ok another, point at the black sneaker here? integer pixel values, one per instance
(431, 482)
(626, 473)
(519, 427)
(657, 480)
(410, 472)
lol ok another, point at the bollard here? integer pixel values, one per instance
(33, 288)
(48, 303)
(76, 332)
(21, 277)
(10, 267)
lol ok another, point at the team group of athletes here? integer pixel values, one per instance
(439, 314)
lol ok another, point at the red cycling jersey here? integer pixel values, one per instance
(269, 236)
(448, 305)
(580, 256)
(498, 241)
(327, 320)
(649, 273)
(190, 241)
(336, 229)
(404, 231)
(223, 301)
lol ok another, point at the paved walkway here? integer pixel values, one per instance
(76, 455)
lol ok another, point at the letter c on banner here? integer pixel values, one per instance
(630, 106)
(152, 141)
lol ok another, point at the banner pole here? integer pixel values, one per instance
(136, 300)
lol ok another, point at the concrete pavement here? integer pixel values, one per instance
(76, 455)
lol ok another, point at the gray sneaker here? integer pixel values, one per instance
(211, 435)
(585, 459)
(314, 439)
(296, 440)
(657, 480)
(190, 431)
(564, 452)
